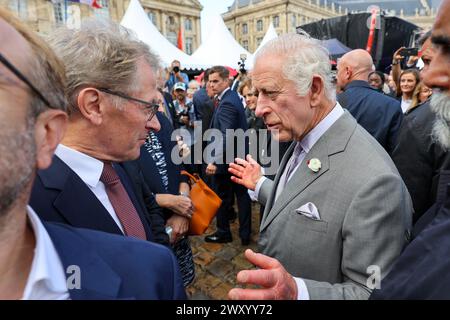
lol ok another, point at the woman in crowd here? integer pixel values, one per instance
(171, 192)
(376, 80)
(247, 91)
(420, 95)
(409, 79)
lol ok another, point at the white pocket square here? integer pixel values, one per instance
(309, 210)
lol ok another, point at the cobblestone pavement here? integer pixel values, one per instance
(217, 264)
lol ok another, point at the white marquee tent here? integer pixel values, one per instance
(137, 20)
(220, 48)
(270, 34)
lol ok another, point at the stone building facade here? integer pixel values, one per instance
(168, 16)
(248, 20)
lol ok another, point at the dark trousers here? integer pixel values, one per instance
(226, 190)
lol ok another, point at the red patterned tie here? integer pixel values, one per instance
(121, 203)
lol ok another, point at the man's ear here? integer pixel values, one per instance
(49, 131)
(317, 89)
(88, 102)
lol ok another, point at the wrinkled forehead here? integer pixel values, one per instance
(14, 48)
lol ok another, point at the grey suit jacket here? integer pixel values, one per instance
(365, 212)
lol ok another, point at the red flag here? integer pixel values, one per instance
(95, 4)
(180, 39)
(373, 22)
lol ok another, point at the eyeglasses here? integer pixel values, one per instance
(19, 75)
(151, 107)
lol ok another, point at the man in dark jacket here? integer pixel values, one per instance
(229, 114)
(419, 158)
(421, 272)
(379, 114)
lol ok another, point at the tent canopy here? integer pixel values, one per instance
(270, 34)
(335, 47)
(137, 20)
(220, 48)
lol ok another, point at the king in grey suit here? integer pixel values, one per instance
(337, 226)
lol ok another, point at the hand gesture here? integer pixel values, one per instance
(182, 206)
(246, 173)
(211, 169)
(180, 225)
(276, 282)
(397, 56)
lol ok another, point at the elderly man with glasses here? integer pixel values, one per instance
(42, 260)
(112, 103)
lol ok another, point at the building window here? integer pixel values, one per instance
(259, 25)
(276, 21)
(244, 28)
(59, 11)
(19, 7)
(152, 16)
(172, 37)
(188, 24)
(294, 20)
(258, 41)
(103, 12)
(245, 44)
(189, 45)
(171, 20)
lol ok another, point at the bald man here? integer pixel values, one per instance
(379, 114)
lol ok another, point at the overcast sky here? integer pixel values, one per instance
(211, 8)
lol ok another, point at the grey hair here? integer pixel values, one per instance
(305, 57)
(100, 54)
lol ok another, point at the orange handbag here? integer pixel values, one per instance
(206, 203)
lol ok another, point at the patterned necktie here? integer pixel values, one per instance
(295, 159)
(124, 208)
(216, 102)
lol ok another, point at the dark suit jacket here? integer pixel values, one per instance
(419, 158)
(421, 272)
(204, 106)
(59, 195)
(154, 213)
(379, 114)
(230, 114)
(169, 102)
(114, 267)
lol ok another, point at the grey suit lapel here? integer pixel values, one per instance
(283, 164)
(333, 141)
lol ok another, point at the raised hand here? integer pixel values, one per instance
(245, 172)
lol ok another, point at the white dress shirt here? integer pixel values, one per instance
(306, 143)
(89, 170)
(47, 280)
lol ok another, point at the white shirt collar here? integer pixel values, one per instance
(46, 279)
(86, 167)
(223, 92)
(314, 135)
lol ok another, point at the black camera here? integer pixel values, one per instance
(241, 64)
(179, 115)
(176, 69)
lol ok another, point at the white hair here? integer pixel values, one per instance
(305, 57)
(440, 104)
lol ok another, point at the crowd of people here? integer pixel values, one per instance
(89, 180)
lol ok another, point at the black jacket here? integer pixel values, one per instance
(419, 159)
(421, 271)
(379, 114)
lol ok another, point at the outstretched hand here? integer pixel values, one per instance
(276, 282)
(245, 172)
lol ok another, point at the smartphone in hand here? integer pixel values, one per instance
(407, 52)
